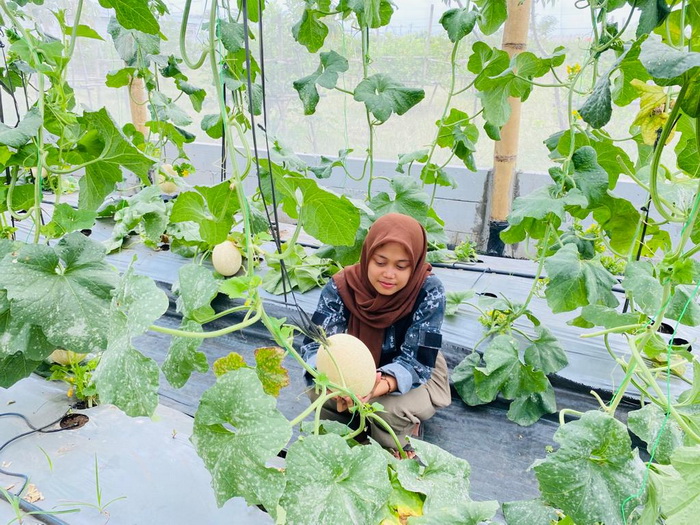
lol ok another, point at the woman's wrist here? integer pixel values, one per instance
(388, 380)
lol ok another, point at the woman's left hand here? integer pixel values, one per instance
(348, 400)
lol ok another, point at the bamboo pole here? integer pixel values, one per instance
(138, 99)
(505, 154)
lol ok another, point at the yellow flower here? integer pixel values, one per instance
(573, 70)
(185, 173)
(70, 392)
(576, 114)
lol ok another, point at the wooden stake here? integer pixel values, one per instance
(505, 153)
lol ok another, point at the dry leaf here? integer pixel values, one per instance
(32, 494)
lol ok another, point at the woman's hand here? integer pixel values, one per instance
(343, 403)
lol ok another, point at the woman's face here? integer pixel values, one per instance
(389, 268)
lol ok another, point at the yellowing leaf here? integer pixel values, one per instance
(652, 116)
(233, 361)
(273, 376)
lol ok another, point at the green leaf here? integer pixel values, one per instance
(641, 285)
(326, 76)
(326, 164)
(653, 14)
(329, 218)
(268, 365)
(116, 152)
(195, 289)
(690, 103)
(383, 96)
(680, 498)
(612, 159)
(683, 306)
(545, 353)
(629, 68)
(237, 429)
(593, 472)
(528, 409)
(528, 512)
(493, 15)
(598, 315)
(458, 133)
(589, 176)
(445, 483)
(125, 377)
(183, 356)
(232, 35)
(409, 199)
(134, 47)
(658, 431)
(619, 219)
(454, 299)
(22, 197)
(145, 213)
(531, 213)
(196, 95)
(211, 207)
(597, 109)
(120, 77)
(420, 155)
(310, 31)
(575, 282)
(329, 482)
(505, 372)
(65, 290)
(133, 14)
(667, 63)
(66, 219)
(239, 287)
(25, 131)
(687, 155)
(254, 9)
(458, 22)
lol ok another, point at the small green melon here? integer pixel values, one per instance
(351, 364)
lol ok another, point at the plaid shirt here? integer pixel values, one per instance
(413, 363)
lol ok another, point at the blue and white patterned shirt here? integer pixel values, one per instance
(413, 363)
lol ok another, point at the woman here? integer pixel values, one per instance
(391, 302)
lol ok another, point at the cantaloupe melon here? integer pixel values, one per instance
(351, 364)
(165, 179)
(226, 258)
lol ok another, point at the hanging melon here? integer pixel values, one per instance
(226, 258)
(347, 361)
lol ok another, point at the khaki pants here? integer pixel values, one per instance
(402, 412)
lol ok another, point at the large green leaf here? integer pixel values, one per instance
(458, 133)
(458, 22)
(328, 217)
(680, 498)
(527, 409)
(409, 199)
(463, 379)
(492, 15)
(598, 315)
(184, 356)
(593, 472)
(145, 213)
(196, 287)
(115, 152)
(531, 213)
(232, 35)
(612, 159)
(211, 207)
(653, 13)
(629, 68)
(125, 377)
(65, 290)
(445, 482)
(133, 14)
(66, 219)
(310, 31)
(329, 482)
(505, 373)
(27, 129)
(237, 429)
(687, 155)
(575, 282)
(545, 353)
(383, 96)
(326, 76)
(683, 306)
(660, 432)
(643, 287)
(528, 512)
(667, 63)
(134, 47)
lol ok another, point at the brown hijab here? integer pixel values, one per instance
(371, 312)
